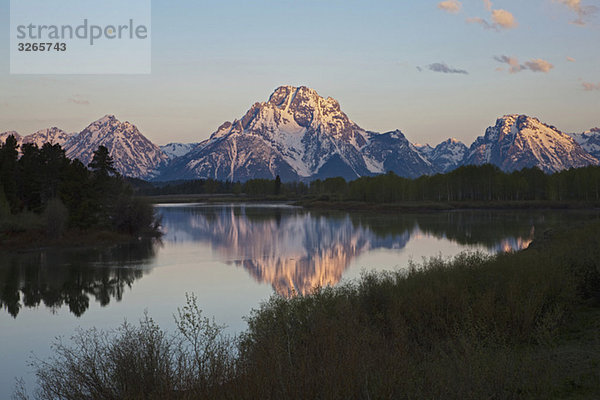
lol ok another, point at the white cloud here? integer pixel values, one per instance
(539, 65)
(534, 65)
(513, 63)
(588, 86)
(451, 6)
(582, 11)
(501, 19)
(78, 99)
(504, 19)
(480, 21)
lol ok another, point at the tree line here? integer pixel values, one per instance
(44, 182)
(467, 183)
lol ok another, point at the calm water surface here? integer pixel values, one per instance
(232, 257)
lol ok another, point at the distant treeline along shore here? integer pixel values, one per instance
(468, 183)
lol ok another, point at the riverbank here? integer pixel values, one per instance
(31, 240)
(522, 325)
(424, 206)
(318, 203)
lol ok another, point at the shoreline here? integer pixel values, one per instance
(74, 238)
(417, 206)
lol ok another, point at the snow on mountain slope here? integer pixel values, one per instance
(589, 141)
(5, 135)
(392, 151)
(134, 155)
(52, 135)
(424, 149)
(173, 150)
(296, 134)
(448, 155)
(519, 141)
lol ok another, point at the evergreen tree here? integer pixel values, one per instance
(8, 171)
(102, 163)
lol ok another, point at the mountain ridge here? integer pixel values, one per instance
(299, 135)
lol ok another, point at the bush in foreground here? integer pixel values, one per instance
(513, 326)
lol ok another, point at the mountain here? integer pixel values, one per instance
(173, 150)
(424, 149)
(391, 151)
(5, 135)
(51, 135)
(519, 141)
(134, 155)
(448, 155)
(297, 134)
(589, 141)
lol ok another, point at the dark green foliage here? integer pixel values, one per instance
(8, 170)
(102, 164)
(140, 362)
(45, 180)
(512, 326)
(466, 184)
(56, 216)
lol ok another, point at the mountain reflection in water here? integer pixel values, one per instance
(289, 248)
(296, 250)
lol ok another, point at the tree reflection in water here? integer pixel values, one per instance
(297, 250)
(57, 277)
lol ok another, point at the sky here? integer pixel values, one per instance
(431, 69)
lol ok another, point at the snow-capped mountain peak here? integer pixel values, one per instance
(5, 135)
(52, 135)
(296, 134)
(519, 141)
(589, 141)
(448, 155)
(173, 150)
(133, 153)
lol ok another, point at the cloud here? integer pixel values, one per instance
(539, 65)
(77, 99)
(451, 6)
(583, 12)
(501, 19)
(480, 21)
(571, 59)
(588, 86)
(535, 65)
(513, 63)
(443, 68)
(504, 19)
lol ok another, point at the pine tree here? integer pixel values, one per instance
(8, 171)
(102, 163)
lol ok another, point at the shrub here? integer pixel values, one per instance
(56, 217)
(469, 328)
(138, 362)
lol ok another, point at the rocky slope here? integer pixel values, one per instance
(173, 150)
(519, 141)
(52, 135)
(297, 134)
(133, 153)
(589, 141)
(447, 155)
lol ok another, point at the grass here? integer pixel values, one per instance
(513, 326)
